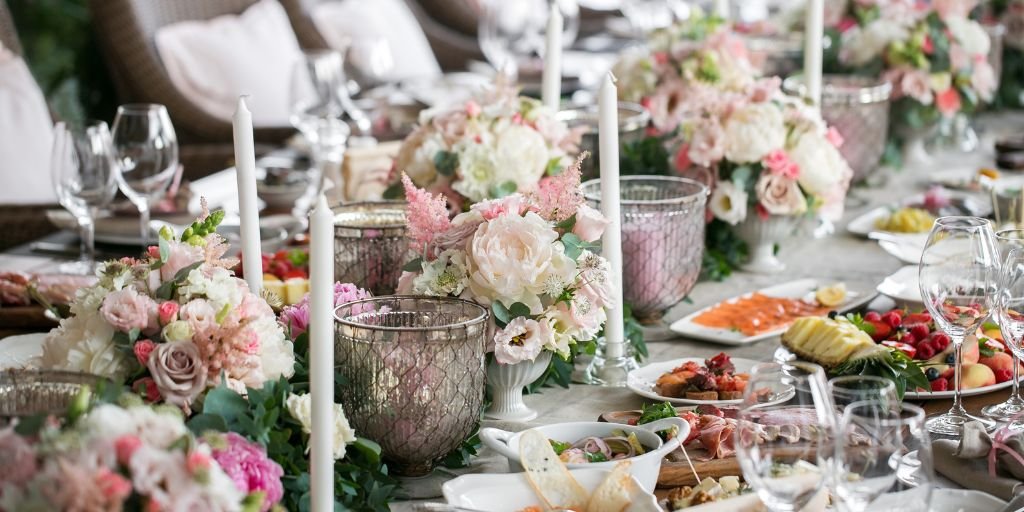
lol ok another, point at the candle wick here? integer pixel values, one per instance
(611, 76)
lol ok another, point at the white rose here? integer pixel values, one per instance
(521, 156)
(971, 36)
(729, 203)
(753, 131)
(85, 344)
(477, 171)
(821, 164)
(516, 258)
(300, 407)
(444, 276)
(862, 44)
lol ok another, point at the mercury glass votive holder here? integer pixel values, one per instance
(26, 393)
(662, 240)
(370, 246)
(633, 120)
(415, 371)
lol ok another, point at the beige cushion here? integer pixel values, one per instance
(387, 22)
(26, 133)
(214, 61)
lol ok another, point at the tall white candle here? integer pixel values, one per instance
(814, 33)
(722, 9)
(608, 144)
(551, 87)
(321, 355)
(245, 169)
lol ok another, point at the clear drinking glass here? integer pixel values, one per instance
(787, 476)
(1009, 308)
(848, 389)
(645, 16)
(511, 34)
(958, 275)
(883, 459)
(147, 151)
(84, 171)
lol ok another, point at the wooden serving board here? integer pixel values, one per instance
(675, 471)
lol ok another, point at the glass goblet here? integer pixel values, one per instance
(1006, 240)
(848, 389)
(147, 150)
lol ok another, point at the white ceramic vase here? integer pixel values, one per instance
(506, 382)
(761, 235)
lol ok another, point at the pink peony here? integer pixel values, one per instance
(249, 467)
(590, 224)
(427, 214)
(127, 309)
(707, 146)
(19, 459)
(125, 447)
(948, 102)
(521, 340)
(167, 312)
(142, 349)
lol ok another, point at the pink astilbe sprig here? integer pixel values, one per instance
(558, 197)
(427, 216)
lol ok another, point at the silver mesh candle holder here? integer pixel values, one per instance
(662, 240)
(370, 246)
(415, 370)
(858, 107)
(30, 392)
(633, 119)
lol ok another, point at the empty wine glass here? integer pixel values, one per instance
(645, 16)
(786, 475)
(848, 389)
(511, 34)
(371, 60)
(883, 459)
(1010, 307)
(958, 275)
(84, 171)
(1006, 240)
(147, 151)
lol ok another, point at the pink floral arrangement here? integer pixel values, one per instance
(493, 145)
(176, 323)
(932, 53)
(295, 318)
(134, 458)
(527, 256)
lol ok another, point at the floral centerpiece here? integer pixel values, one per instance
(175, 323)
(491, 146)
(133, 457)
(527, 256)
(934, 55)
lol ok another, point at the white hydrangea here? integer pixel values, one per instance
(300, 407)
(862, 44)
(220, 287)
(971, 36)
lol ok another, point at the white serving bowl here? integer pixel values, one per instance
(645, 467)
(511, 492)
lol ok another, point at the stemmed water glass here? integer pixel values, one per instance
(147, 151)
(84, 171)
(883, 459)
(1006, 240)
(786, 476)
(848, 389)
(958, 275)
(511, 34)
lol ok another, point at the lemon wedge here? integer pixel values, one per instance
(831, 296)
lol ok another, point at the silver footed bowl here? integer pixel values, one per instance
(26, 393)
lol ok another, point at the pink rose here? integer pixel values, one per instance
(178, 371)
(590, 224)
(114, 487)
(125, 447)
(916, 84)
(780, 195)
(707, 146)
(473, 108)
(521, 340)
(198, 462)
(983, 79)
(778, 163)
(142, 350)
(180, 256)
(834, 137)
(167, 312)
(948, 102)
(127, 309)
(146, 387)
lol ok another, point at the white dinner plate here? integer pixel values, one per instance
(447, 89)
(21, 351)
(903, 287)
(641, 381)
(858, 294)
(511, 492)
(865, 223)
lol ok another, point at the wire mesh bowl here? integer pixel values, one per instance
(858, 107)
(662, 239)
(26, 393)
(370, 246)
(415, 367)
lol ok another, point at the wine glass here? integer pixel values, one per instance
(1009, 308)
(786, 475)
(958, 275)
(147, 151)
(511, 34)
(848, 389)
(372, 61)
(84, 171)
(883, 459)
(646, 16)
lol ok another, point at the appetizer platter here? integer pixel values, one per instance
(693, 381)
(766, 313)
(916, 213)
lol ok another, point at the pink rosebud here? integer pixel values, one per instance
(682, 160)
(114, 487)
(142, 349)
(833, 136)
(948, 102)
(660, 58)
(125, 447)
(590, 224)
(928, 46)
(153, 251)
(146, 387)
(198, 463)
(762, 212)
(517, 118)
(168, 312)
(472, 108)
(154, 506)
(846, 24)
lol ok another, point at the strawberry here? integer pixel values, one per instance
(872, 316)
(940, 340)
(918, 318)
(1003, 375)
(909, 350)
(893, 319)
(882, 330)
(940, 385)
(925, 350)
(920, 331)
(295, 273)
(897, 311)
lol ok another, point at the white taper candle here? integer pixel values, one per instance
(814, 34)
(722, 9)
(551, 86)
(245, 169)
(608, 144)
(321, 355)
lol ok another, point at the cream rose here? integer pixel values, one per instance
(178, 370)
(753, 131)
(780, 195)
(516, 259)
(821, 164)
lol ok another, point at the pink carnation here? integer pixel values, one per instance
(142, 349)
(948, 102)
(125, 447)
(427, 214)
(127, 309)
(249, 467)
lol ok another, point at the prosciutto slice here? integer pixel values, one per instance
(716, 435)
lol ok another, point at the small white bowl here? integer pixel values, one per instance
(645, 468)
(510, 492)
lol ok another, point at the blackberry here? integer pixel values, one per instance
(931, 374)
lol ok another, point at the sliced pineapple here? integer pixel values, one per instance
(828, 342)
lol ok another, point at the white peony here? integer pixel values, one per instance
(521, 156)
(300, 407)
(478, 171)
(729, 203)
(516, 258)
(85, 344)
(862, 44)
(971, 36)
(822, 167)
(753, 131)
(444, 276)
(277, 355)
